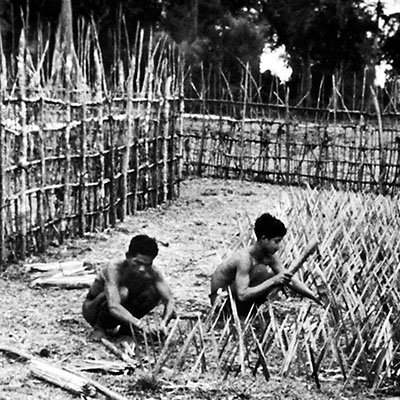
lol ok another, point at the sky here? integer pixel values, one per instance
(276, 61)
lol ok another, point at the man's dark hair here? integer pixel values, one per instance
(142, 244)
(269, 226)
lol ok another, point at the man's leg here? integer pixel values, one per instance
(139, 306)
(97, 313)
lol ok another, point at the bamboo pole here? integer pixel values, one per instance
(164, 352)
(166, 138)
(41, 214)
(2, 171)
(23, 147)
(100, 137)
(287, 131)
(148, 92)
(181, 122)
(241, 345)
(64, 378)
(111, 170)
(83, 169)
(66, 211)
(363, 89)
(136, 164)
(203, 129)
(382, 152)
(127, 141)
(243, 122)
(3, 88)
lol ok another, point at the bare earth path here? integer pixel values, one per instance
(194, 232)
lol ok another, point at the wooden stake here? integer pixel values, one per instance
(311, 247)
(22, 154)
(2, 169)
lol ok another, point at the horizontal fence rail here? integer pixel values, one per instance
(80, 164)
(346, 155)
(76, 166)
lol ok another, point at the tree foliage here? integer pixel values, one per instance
(322, 37)
(391, 42)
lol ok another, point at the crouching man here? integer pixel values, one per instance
(126, 291)
(252, 273)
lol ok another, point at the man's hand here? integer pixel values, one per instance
(283, 278)
(151, 329)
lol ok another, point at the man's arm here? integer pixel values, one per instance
(166, 298)
(242, 281)
(297, 285)
(113, 296)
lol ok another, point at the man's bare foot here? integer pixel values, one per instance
(98, 334)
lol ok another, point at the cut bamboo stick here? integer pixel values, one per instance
(62, 378)
(71, 381)
(310, 248)
(119, 353)
(22, 156)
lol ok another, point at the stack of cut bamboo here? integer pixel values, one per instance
(64, 274)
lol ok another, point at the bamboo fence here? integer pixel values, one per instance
(282, 147)
(80, 152)
(79, 158)
(354, 337)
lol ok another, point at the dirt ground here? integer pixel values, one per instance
(194, 232)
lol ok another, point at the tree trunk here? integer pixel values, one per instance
(65, 68)
(65, 26)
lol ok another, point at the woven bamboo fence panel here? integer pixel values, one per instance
(354, 337)
(72, 166)
(269, 147)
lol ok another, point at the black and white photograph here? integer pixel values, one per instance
(199, 199)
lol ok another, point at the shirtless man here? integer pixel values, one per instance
(124, 292)
(246, 271)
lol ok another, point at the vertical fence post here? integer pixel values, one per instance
(243, 124)
(334, 149)
(41, 214)
(287, 123)
(165, 134)
(2, 132)
(3, 87)
(382, 152)
(181, 127)
(111, 169)
(67, 168)
(22, 153)
(136, 163)
(100, 141)
(83, 172)
(203, 130)
(148, 92)
(128, 141)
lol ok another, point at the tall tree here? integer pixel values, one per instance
(391, 42)
(322, 37)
